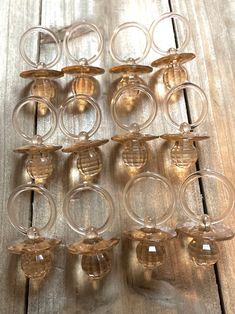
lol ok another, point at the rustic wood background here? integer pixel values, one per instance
(178, 286)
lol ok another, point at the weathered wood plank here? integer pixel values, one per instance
(212, 24)
(187, 289)
(177, 287)
(16, 17)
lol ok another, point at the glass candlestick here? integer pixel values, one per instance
(43, 77)
(39, 163)
(204, 230)
(84, 81)
(184, 153)
(174, 72)
(89, 159)
(96, 252)
(153, 235)
(135, 151)
(130, 67)
(36, 251)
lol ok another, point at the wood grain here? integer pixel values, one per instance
(14, 21)
(212, 24)
(177, 286)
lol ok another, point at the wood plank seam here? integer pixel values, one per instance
(35, 132)
(216, 272)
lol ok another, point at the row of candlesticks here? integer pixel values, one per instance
(153, 235)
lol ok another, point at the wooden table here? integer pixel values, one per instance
(178, 286)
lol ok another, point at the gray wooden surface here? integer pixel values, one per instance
(177, 286)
